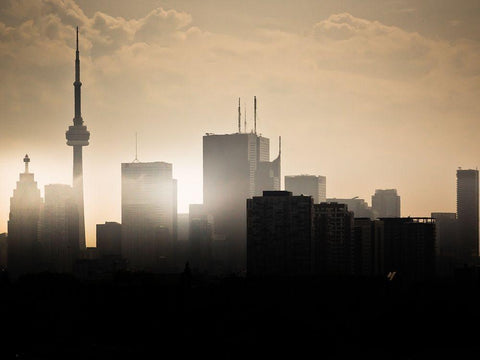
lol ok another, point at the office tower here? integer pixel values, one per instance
(236, 167)
(359, 207)
(408, 248)
(3, 251)
(58, 229)
(333, 239)
(78, 136)
(386, 203)
(109, 236)
(467, 214)
(446, 233)
(308, 185)
(279, 234)
(25, 206)
(200, 237)
(149, 214)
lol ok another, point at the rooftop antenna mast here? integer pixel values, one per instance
(239, 117)
(254, 114)
(245, 118)
(136, 149)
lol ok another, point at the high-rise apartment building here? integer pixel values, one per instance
(408, 248)
(467, 214)
(333, 238)
(235, 167)
(386, 203)
(25, 207)
(279, 234)
(308, 185)
(149, 214)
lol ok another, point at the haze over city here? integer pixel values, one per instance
(370, 94)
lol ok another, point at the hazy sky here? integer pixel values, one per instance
(371, 94)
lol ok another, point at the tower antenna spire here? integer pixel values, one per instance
(77, 120)
(239, 117)
(254, 114)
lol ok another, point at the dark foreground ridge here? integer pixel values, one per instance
(49, 316)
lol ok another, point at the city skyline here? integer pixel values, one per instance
(371, 119)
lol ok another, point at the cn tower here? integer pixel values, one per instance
(77, 136)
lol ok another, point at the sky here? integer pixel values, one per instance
(372, 94)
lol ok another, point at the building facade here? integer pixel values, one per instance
(467, 215)
(279, 234)
(235, 167)
(58, 229)
(386, 203)
(25, 206)
(109, 239)
(308, 185)
(333, 239)
(149, 214)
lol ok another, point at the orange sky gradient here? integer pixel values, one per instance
(382, 95)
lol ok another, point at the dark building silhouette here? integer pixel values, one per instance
(149, 215)
(367, 238)
(109, 238)
(78, 136)
(308, 185)
(58, 229)
(279, 234)
(333, 239)
(467, 214)
(25, 206)
(201, 230)
(3, 251)
(235, 167)
(447, 242)
(386, 203)
(408, 248)
(359, 207)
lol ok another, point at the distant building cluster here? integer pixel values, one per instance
(246, 225)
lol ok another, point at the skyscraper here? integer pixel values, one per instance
(78, 136)
(467, 215)
(236, 167)
(25, 206)
(58, 229)
(386, 203)
(149, 214)
(315, 186)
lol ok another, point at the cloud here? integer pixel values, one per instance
(160, 24)
(349, 81)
